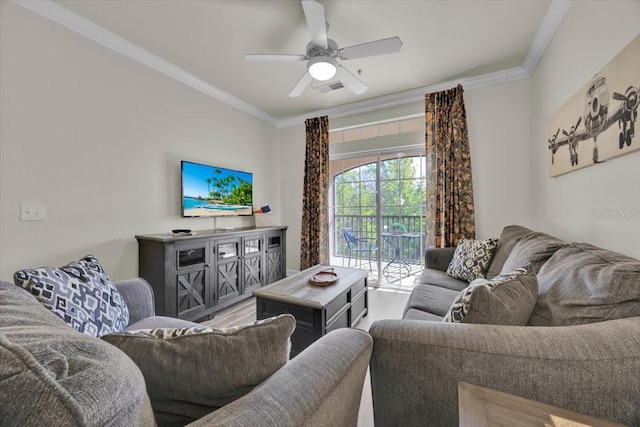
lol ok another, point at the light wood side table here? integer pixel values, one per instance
(483, 407)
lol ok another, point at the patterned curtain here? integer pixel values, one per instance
(315, 209)
(449, 213)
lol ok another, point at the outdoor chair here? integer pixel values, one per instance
(359, 245)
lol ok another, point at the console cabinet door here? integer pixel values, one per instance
(275, 265)
(227, 281)
(192, 279)
(252, 262)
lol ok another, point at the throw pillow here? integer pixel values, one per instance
(509, 237)
(507, 299)
(80, 293)
(582, 283)
(535, 248)
(192, 372)
(51, 375)
(471, 259)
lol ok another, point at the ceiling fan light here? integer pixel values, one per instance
(322, 68)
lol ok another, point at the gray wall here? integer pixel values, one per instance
(98, 139)
(591, 34)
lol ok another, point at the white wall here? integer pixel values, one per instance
(98, 139)
(498, 120)
(292, 150)
(591, 34)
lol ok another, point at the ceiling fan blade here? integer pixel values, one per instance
(350, 81)
(301, 85)
(277, 58)
(316, 21)
(378, 47)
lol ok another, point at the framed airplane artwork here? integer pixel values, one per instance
(599, 121)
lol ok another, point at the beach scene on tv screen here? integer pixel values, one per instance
(213, 191)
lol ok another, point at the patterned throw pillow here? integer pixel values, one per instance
(507, 299)
(190, 372)
(169, 333)
(80, 293)
(471, 259)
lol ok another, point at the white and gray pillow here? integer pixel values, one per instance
(191, 372)
(471, 259)
(51, 375)
(507, 299)
(80, 293)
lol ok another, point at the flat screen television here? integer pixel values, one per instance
(214, 191)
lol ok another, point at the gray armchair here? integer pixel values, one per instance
(416, 366)
(94, 383)
(580, 349)
(322, 386)
(319, 387)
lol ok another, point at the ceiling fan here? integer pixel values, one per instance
(323, 53)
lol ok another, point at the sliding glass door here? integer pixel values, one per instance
(379, 201)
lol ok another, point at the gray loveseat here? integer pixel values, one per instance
(52, 375)
(580, 349)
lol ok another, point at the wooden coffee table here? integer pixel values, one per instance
(484, 407)
(318, 310)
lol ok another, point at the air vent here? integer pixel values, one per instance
(329, 87)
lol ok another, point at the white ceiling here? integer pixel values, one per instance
(444, 41)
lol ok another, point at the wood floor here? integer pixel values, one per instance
(384, 303)
(238, 314)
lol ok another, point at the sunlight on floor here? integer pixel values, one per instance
(392, 290)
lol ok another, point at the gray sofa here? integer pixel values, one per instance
(52, 375)
(580, 349)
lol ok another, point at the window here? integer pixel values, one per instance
(408, 124)
(376, 196)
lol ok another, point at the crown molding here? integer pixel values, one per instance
(413, 95)
(550, 23)
(76, 23)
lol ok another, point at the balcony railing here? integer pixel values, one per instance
(366, 226)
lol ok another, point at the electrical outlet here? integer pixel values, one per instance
(32, 212)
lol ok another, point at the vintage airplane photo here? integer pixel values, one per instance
(609, 104)
(597, 119)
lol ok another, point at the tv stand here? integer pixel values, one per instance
(193, 276)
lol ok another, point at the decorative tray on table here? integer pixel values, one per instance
(324, 278)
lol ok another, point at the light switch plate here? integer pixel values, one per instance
(30, 212)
